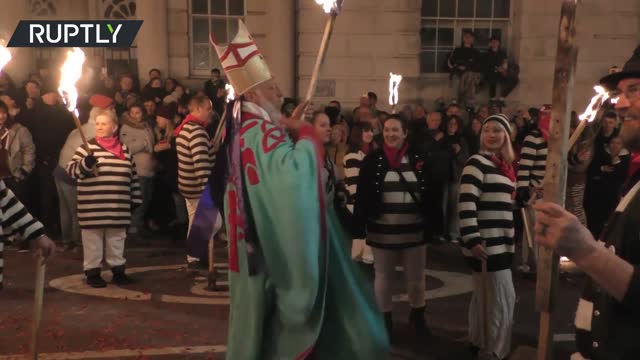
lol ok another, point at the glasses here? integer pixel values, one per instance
(630, 92)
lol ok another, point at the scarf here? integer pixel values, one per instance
(112, 145)
(394, 155)
(188, 119)
(505, 168)
(366, 148)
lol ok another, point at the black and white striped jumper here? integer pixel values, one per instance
(195, 160)
(400, 223)
(15, 219)
(533, 160)
(352, 161)
(486, 213)
(105, 197)
(605, 327)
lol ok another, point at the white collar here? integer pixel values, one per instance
(255, 109)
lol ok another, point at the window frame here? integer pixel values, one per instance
(458, 24)
(213, 60)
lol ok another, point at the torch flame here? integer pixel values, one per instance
(330, 5)
(231, 93)
(70, 73)
(5, 55)
(394, 83)
(596, 102)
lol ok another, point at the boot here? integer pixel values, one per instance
(119, 277)
(94, 279)
(416, 319)
(388, 323)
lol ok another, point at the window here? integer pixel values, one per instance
(443, 22)
(216, 17)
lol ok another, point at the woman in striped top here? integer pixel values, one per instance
(361, 143)
(391, 211)
(486, 226)
(108, 189)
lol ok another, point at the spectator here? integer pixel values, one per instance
(365, 101)
(213, 85)
(107, 190)
(125, 95)
(605, 184)
(17, 154)
(106, 86)
(407, 113)
(533, 160)
(195, 161)
(580, 157)
(391, 212)
(337, 148)
(150, 107)
(608, 131)
(52, 124)
(361, 143)
(483, 113)
(154, 90)
(438, 153)
(373, 102)
(458, 153)
(167, 176)
(170, 85)
(497, 72)
(464, 64)
(155, 73)
(418, 130)
(32, 94)
(473, 135)
(6, 83)
(179, 93)
(137, 135)
(486, 188)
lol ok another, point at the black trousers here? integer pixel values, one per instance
(507, 84)
(47, 202)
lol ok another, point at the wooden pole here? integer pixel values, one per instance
(556, 172)
(576, 134)
(322, 53)
(37, 307)
(79, 127)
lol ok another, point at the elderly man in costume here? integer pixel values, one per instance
(295, 293)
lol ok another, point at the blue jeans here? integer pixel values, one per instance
(68, 206)
(137, 219)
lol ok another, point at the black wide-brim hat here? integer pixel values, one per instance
(630, 70)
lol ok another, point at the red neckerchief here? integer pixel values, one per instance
(635, 163)
(394, 155)
(366, 148)
(505, 168)
(112, 145)
(188, 119)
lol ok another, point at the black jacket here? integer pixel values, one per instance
(368, 199)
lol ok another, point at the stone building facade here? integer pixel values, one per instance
(371, 39)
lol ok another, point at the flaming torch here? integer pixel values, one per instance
(394, 84)
(70, 73)
(219, 135)
(590, 113)
(5, 55)
(332, 8)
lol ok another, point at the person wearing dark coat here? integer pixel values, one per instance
(465, 69)
(52, 124)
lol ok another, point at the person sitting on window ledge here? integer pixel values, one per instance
(498, 70)
(464, 66)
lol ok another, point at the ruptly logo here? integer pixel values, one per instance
(99, 33)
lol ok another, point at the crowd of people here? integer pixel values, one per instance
(427, 175)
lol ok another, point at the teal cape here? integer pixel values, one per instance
(295, 292)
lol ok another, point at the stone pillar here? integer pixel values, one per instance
(22, 62)
(152, 39)
(281, 41)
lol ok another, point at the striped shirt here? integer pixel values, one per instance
(15, 220)
(352, 162)
(195, 160)
(105, 197)
(486, 213)
(533, 160)
(400, 224)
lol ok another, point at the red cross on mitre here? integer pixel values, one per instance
(238, 55)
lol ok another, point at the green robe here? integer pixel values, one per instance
(306, 295)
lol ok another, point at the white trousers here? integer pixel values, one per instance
(109, 239)
(501, 301)
(192, 206)
(413, 261)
